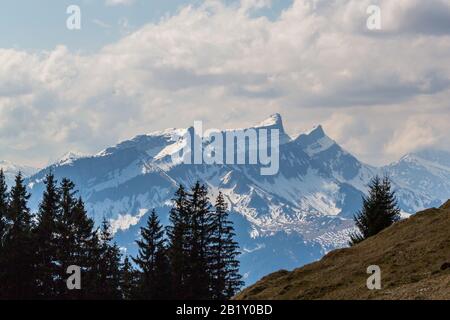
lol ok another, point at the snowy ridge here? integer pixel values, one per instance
(69, 158)
(10, 170)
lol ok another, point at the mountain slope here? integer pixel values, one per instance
(409, 253)
(422, 179)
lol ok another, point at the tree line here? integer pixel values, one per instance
(195, 257)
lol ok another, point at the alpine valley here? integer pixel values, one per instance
(282, 221)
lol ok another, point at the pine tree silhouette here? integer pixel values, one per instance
(107, 284)
(85, 247)
(47, 240)
(198, 280)
(178, 233)
(379, 210)
(226, 280)
(19, 246)
(66, 241)
(78, 243)
(129, 280)
(152, 261)
(3, 206)
(4, 203)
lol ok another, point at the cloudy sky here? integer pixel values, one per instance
(137, 66)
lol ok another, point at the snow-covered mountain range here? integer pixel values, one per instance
(282, 221)
(10, 170)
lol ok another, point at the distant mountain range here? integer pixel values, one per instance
(11, 171)
(282, 221)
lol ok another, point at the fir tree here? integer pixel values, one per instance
(178, 233)
(3, 206)
(379, 210)
(66, 240)
(199, 278)
(152, 261)
(19, 246)
(4, 203)
(67, 205)
(128, 280)
(85, 247)
(47, 239)
(107, 284)
(226, 280)
(78, 243)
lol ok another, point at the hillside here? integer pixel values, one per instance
(411, 255)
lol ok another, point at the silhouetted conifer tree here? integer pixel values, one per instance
(152, 261)
(198, 280)
(66, 238)
(224, 266)
(85, 247)
(178, 233)
(129, 280)
(4, 203)
(47, 240)
(379, 210)
(107, 284)
(19, 246)
(78, 244)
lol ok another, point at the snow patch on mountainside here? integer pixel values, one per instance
(125, 221)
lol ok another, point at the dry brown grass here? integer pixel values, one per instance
(409, 253)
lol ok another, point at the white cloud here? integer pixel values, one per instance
(316, 63)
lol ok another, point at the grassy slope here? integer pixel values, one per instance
(409, 253)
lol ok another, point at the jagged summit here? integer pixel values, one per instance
(275, 120)
(315, 141)
(317, 132)
(69, 156)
